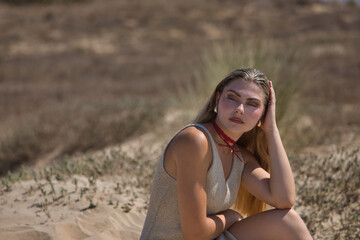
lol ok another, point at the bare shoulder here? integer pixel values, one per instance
(190, 142)
(191, 138)
(188, 149)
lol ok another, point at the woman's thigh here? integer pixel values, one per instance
(273, 224)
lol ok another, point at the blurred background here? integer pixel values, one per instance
(80, 75)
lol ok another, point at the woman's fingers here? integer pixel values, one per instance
(271, 92)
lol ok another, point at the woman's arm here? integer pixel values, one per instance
(282, 185)
(192, 154)
(278, 187)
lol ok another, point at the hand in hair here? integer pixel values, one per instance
(269, 123)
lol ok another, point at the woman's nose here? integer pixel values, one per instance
(240, 108)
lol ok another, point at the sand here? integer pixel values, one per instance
(26, 213)
(112, 206)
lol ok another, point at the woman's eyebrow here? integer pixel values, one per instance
(238, 94)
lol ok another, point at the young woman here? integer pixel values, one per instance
(232, 156)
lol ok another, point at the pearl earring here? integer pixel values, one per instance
(215, 109)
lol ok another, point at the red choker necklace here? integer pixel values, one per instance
(228, 141)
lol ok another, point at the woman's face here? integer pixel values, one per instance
(240, 106)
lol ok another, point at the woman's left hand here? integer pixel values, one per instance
(269, 123)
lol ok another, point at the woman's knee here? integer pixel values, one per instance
(275, 224)
(295, 224)
(291, 215)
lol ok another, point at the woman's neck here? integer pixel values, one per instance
(229, 143)
(231, 135)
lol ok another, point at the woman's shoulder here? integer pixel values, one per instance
(190, 137)
(190, 142)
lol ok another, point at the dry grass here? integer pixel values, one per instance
(52, 70)
(65, 129)
(85, 178)
(328, 193)
(285, 66)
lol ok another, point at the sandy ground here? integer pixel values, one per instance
(25, 213)
(79, 207)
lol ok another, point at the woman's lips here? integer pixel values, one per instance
(236, 120)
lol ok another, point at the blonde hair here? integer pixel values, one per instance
(254, 140)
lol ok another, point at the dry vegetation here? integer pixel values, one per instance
(75, 179)
(66, 129)
(328, 193)
(77, 78)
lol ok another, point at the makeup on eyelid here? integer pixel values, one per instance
(231, 92)
(254, 102)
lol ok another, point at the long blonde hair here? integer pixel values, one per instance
(254, 140)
